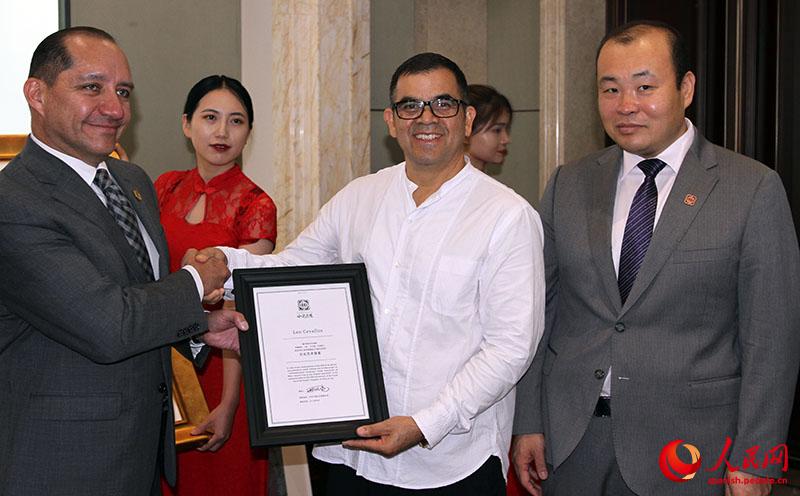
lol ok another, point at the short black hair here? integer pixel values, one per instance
(489, 106)
(426, 62)
(51, 57)
(216, 82)
(631, 31)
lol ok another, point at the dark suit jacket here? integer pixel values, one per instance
(85, 372)
(707, 344)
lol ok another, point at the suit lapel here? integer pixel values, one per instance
(66, 187)
(697, 177)
(603, 185)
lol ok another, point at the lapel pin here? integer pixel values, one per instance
(690, 199)
(137, 195)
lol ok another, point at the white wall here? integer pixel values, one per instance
(26, 23)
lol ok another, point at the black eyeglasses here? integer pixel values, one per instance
(442, 107)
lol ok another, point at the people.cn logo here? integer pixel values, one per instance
(673, 467)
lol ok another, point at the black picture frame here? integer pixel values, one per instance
(354, 275)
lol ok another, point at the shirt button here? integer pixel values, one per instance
(162, 388)
(619, 327)
(599, 374)
(387, 311)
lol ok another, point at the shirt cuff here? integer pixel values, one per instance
(197, 281)
(196, 346)
(233, 263)
(435, 423)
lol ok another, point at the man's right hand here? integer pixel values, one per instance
(193, 257)
(527, 453)
(213, 271)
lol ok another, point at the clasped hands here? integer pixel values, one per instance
(212, 266)
(223, 325)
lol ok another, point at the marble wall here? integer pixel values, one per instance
(571, 128)
(320, 106)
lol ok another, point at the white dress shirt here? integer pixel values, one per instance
(87, 173)
(457, 287)
(630, 178)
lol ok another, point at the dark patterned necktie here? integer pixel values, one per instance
(122, 211)
(639, 228)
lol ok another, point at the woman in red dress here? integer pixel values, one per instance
(216, 204)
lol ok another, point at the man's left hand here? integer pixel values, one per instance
(742, 489)
(387, 438)
(223, 329)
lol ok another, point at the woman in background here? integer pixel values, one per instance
(210, 205)
(491, 127)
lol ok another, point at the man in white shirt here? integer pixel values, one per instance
(456, 278)
(672, 305)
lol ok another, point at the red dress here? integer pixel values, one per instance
(238, 212)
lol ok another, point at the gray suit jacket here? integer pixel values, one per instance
(707, 344)
(85, 370)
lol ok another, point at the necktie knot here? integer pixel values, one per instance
(102, 179)
(651, 167)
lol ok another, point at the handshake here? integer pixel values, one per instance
(223, 325)
(212, 266)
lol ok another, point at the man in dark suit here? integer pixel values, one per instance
(87, 307)
(672, 300)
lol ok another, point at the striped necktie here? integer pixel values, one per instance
(639, 227)
(122, 211)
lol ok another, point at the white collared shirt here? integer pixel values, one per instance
(630, 178)
(457, 287)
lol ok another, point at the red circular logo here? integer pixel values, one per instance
(673, 467)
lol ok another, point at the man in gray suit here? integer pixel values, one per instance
(672, 301)
(87, 307)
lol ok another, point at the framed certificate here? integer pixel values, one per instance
(312, 371)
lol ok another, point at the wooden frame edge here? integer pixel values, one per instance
(188, 396)
(11, 145)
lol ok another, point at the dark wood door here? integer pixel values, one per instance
(746, 56)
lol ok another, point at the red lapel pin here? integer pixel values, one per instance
(690, 199)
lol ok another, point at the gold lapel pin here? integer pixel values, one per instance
(137, 195)
(690, 199)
